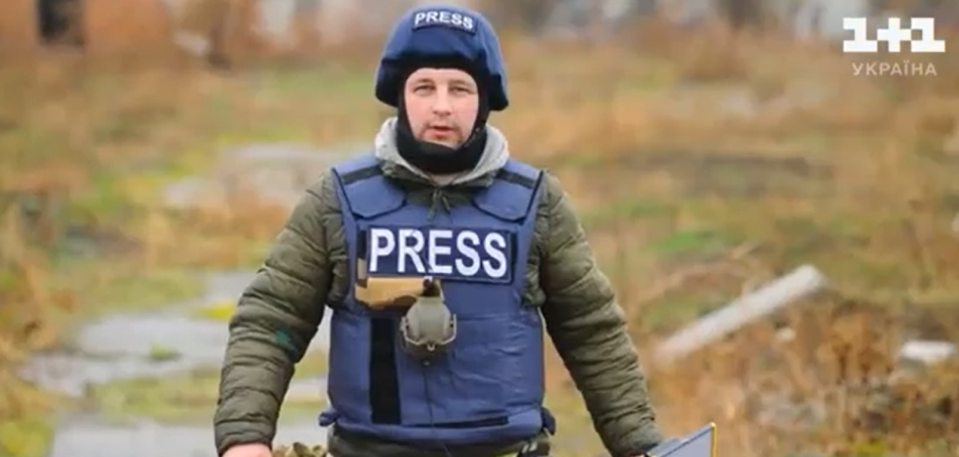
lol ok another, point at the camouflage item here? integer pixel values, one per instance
(349, 446)
(300, 450)
(278, 314)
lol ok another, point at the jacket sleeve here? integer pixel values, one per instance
(588, 329)
(276, 318)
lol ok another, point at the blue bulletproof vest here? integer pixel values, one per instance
(489, 386)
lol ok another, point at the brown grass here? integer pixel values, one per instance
(690, 195)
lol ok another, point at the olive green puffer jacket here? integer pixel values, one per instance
(279, 313)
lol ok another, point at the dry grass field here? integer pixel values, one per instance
(702, 164)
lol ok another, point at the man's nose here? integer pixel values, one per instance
(441, 103)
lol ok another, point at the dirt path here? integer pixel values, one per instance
(172, 343)
(123, 346)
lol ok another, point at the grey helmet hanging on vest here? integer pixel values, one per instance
(428, 327)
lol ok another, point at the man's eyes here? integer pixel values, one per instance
(454, 89)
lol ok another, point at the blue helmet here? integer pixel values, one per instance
(439, 32)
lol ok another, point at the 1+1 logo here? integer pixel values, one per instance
(894, 35)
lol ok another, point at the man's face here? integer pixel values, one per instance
(441, 105)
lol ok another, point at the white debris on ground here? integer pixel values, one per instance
(927, 352)
(777, 405)
(798, 284)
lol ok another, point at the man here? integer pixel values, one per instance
(440, 257)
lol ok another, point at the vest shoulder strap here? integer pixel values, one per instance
(510, 196)
(367, 192)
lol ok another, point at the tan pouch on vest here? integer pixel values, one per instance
(379, 292)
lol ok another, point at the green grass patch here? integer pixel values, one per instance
(684, 242)
(131, 289)
(626, 209)
(99, 288)
(685, 305)
(28, 436)
(220, 311)
(191, 398)
(311, 83)
(160, 353)
(575, 435)
(180, 399)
